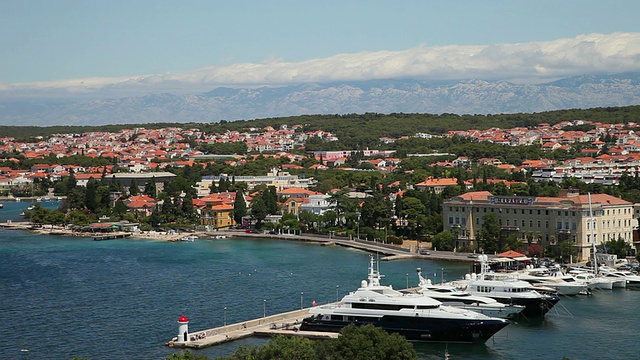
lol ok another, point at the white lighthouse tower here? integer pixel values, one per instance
(183, 329)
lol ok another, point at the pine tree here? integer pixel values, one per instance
(239, 207)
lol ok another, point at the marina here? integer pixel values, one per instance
(55, 288)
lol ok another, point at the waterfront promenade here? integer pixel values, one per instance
(392, 252)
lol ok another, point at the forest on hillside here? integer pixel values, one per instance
(358, 131)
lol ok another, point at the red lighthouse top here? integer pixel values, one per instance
(183, 319)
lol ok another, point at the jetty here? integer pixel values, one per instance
(286, 324)
(112, 236)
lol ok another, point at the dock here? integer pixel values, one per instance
(111, 236)
(286, 324)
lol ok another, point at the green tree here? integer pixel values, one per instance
(618, 247)
(365, 342)
(490, 232)
(443, 240)
(259, 209)
(133, 189)
(150, 187)
(186, 355)
(239, 207)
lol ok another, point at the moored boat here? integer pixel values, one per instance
(508, 291)
(452, 296)
(414, 316)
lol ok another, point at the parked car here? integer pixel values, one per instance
(425, 252)
(472, 256)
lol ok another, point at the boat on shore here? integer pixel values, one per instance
(189, 238)
(414, 316)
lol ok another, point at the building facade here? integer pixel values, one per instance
(548, 220)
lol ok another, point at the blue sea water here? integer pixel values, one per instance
(65, 297)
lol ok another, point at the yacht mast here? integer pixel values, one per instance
(593, 238)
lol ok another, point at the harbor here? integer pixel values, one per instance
(52, 282)
(286, 324)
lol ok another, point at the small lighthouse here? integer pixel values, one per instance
(183, 329)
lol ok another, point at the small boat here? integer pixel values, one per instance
(1, 206)
(190, 238)
(221, 236)
(414, 316)
(31, 207)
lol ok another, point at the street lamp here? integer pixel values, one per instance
(26, 351)
(301, 299)
(224, 318)
(337, 288)
(264, 308)
(358, 237)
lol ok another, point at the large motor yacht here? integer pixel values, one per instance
(452, 296)
(414, 316)
(507, 290)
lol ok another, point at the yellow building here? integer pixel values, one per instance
(549, 219)
(216, 210)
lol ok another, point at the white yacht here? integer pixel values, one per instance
(630, 279)
(452, 296)
(508, 290)
(564, 284)
(594, 281)
(414, 316)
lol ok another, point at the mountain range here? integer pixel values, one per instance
(380, 96)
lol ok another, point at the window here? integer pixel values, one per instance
(559, 225)
(507, 211)
(522, 223)
(546, 224)
(539, 223)
(531, 223)
(538, 212)
(522, 211)
(450, 219)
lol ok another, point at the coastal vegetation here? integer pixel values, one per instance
(365, 342)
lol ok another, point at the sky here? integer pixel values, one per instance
(115, 46)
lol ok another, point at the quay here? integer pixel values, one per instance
(286, 324)
(391, 252)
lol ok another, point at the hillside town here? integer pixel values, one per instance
(135, 171)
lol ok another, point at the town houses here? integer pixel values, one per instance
(140, 159)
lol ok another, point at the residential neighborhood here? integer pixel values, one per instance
(282, 185)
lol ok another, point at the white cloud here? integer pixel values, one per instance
(532, 62)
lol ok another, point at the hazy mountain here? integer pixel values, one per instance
(382, 96)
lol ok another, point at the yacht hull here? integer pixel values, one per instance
(417, 329)
(534, 307)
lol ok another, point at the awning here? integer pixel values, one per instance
(521, 258)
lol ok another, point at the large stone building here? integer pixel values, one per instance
(549, 220)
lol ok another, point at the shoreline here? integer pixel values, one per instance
(400, 252)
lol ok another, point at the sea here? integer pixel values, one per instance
(66, 297)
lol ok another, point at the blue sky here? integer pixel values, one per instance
(116, 43)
